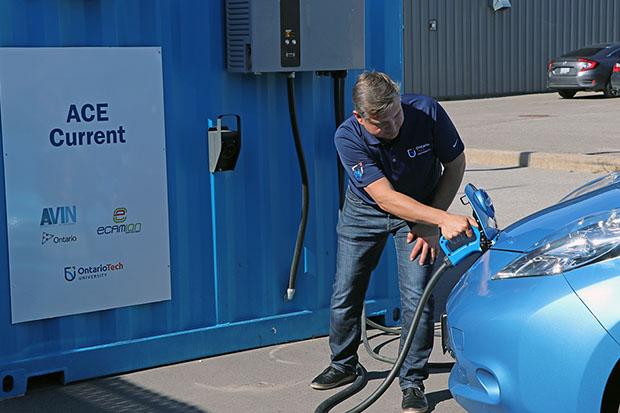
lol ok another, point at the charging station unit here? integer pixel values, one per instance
(294, 35)
(230, 233)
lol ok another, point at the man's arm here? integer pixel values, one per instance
(449, 182)
(447, 188)
(409, 209)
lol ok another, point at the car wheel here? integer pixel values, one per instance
(567, 93)
(611, 395)
(610, 92)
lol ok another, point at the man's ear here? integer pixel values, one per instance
(359, 118)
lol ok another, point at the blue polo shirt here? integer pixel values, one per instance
(412, 161)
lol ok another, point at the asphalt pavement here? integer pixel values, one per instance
(526, 151)
(541, 131)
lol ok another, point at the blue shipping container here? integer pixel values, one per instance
(232, 234)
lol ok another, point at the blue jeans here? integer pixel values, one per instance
(363, 231)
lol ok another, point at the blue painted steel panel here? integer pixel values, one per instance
(232, 234)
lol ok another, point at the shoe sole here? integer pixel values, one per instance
(416, 410)
(319, 386)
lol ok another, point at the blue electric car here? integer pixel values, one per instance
(534, 324)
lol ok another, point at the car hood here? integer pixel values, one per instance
(521, 235)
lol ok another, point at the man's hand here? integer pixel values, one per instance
(453, 225)
(427, 241)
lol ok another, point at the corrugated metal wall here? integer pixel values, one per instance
(232, 234)
(477, 51)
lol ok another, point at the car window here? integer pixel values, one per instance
(615, 53)
(585, 52)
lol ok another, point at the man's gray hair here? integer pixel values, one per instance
(374, 94)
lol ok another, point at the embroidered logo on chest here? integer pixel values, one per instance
(419, 150)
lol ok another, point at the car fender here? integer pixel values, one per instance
(598, 286)
(538, 345)
(574, 356)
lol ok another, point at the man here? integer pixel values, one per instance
(405, 163)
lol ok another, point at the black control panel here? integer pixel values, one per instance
(289, 33)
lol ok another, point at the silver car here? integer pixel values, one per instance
(589, 68)
(615, 77)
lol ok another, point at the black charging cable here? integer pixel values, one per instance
(344, 394)
(339, 76)
(305, 200)
(368, 322)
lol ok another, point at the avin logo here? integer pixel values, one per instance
(59, 216)
(70, 273)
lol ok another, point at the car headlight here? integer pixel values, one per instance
(588, 240)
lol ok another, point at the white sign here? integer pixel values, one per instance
(85, 179)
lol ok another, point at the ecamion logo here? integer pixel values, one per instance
(120, 215)
(120, 225)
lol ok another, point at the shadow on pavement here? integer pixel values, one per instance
(602, 153)
(436, 397)
(598, 96)
(94, 396)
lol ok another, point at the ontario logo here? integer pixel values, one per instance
(91, 273)
(46, 236)
(61, 215)
(119, 217)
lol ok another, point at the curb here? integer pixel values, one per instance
(565, 161)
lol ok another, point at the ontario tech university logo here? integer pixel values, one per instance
(119, 217)
(91, 273)
(70, 273)
(61, 215)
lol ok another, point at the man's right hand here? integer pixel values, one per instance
(453, 225)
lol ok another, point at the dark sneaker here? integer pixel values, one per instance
(414, 400)
(331, 378)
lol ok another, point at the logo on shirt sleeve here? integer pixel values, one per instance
(358, 171)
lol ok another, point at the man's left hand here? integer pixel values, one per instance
(427, 242)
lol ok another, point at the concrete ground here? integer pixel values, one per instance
(275, 379)
(541, 131)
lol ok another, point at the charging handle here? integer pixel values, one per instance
(460, 247)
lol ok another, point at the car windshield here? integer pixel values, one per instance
(585, 52)
(612, 178)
